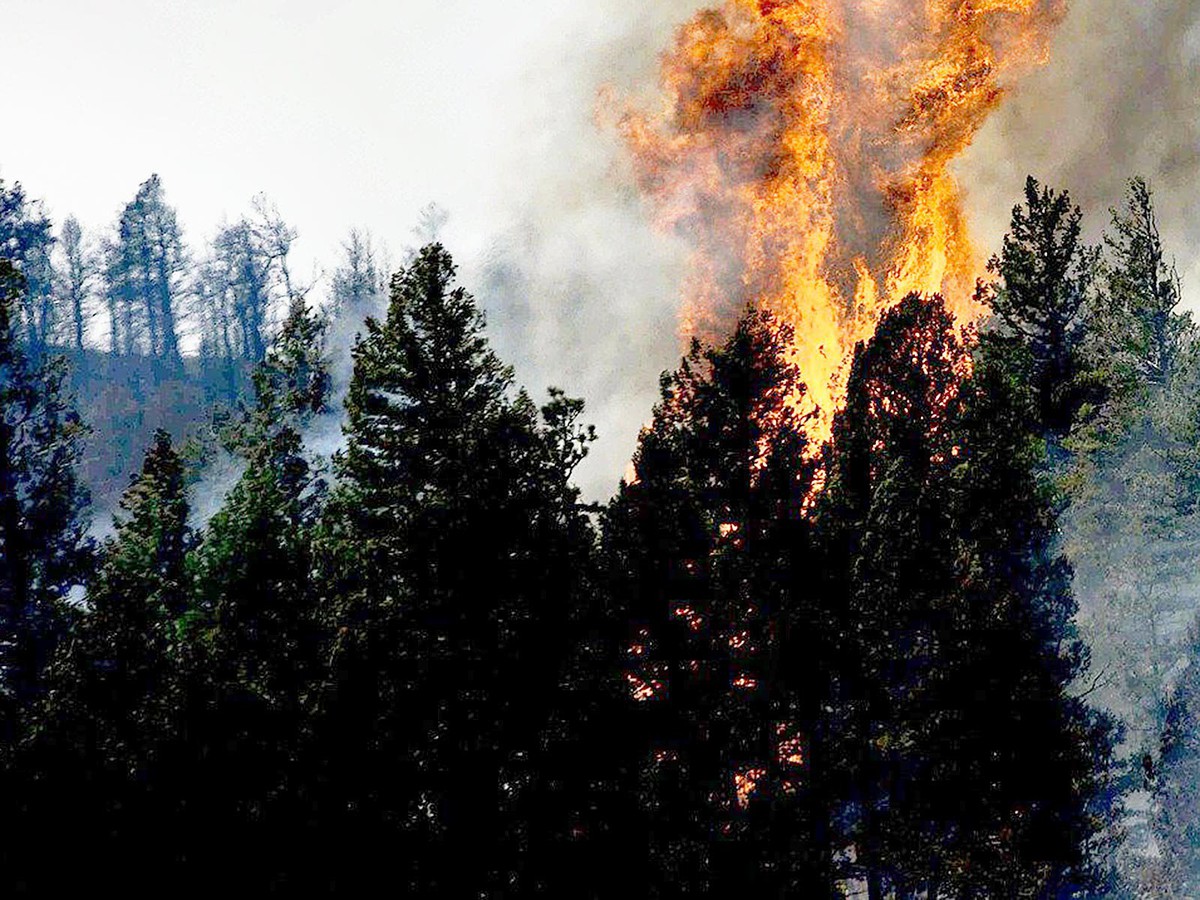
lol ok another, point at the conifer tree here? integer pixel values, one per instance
(116, 672)
(44, 549)
(242, 280)
(26, 241)
(251, 568)
(145, 269)
(44, 555)
(450, 551)
(358, 282)
(74, 282)
(1042, 304)
(705, 550)
(256, 630)
(107, 733)
(973, 767)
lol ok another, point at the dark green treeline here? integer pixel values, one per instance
(764, 669)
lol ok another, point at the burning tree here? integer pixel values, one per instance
(806, 146)
(972, 766)
(704, 549)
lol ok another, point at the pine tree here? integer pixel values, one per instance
(358, 283)
(885, 533)
(1042, 304)
(75, 278)
(144, 274)
(705, 552)
(44, 550)
(254, 643)
(26, 241)
(103, 750)
(449, 550)
(44, 555)
(241, 282)
(973, 766)
(1133, 523)
(117, 666)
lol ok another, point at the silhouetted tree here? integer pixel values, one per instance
(75, 277)
(706, 548)
(100, 755)
(44, 550)
(451, 550)
(26, 241)
(256, 628)
(973, 766)
(146, 265)
(1042, 304)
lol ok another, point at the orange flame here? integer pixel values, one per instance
(804, 148)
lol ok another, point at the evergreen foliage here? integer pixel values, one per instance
(44, 550)
(765, 668)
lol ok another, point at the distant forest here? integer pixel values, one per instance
(949, 654)
(159, 334)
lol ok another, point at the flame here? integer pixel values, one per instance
(804, 147)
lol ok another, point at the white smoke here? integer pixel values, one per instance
(1119, 97)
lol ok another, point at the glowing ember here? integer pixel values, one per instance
(805, 145)
(745, 683)
(694, 620)
(745, 783)
(641, 689)
(791, 746)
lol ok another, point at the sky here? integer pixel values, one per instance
(344, 113)
(360, 112)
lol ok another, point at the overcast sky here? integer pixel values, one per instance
(360, 112)
(343, 111)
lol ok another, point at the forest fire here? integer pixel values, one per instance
(804, 147)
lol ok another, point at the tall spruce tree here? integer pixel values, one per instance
(44, 549)
(1042, 303)
(103, 752)
(973, 769)
(255, 629)
(26, 241)
(74, 284)
(44, 555)
(451, 550)
(146, 264)
(705, 552)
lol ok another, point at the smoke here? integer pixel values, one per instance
(581, 291)
(584, 293)
(1120, 97)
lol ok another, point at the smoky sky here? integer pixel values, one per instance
(360, 112)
